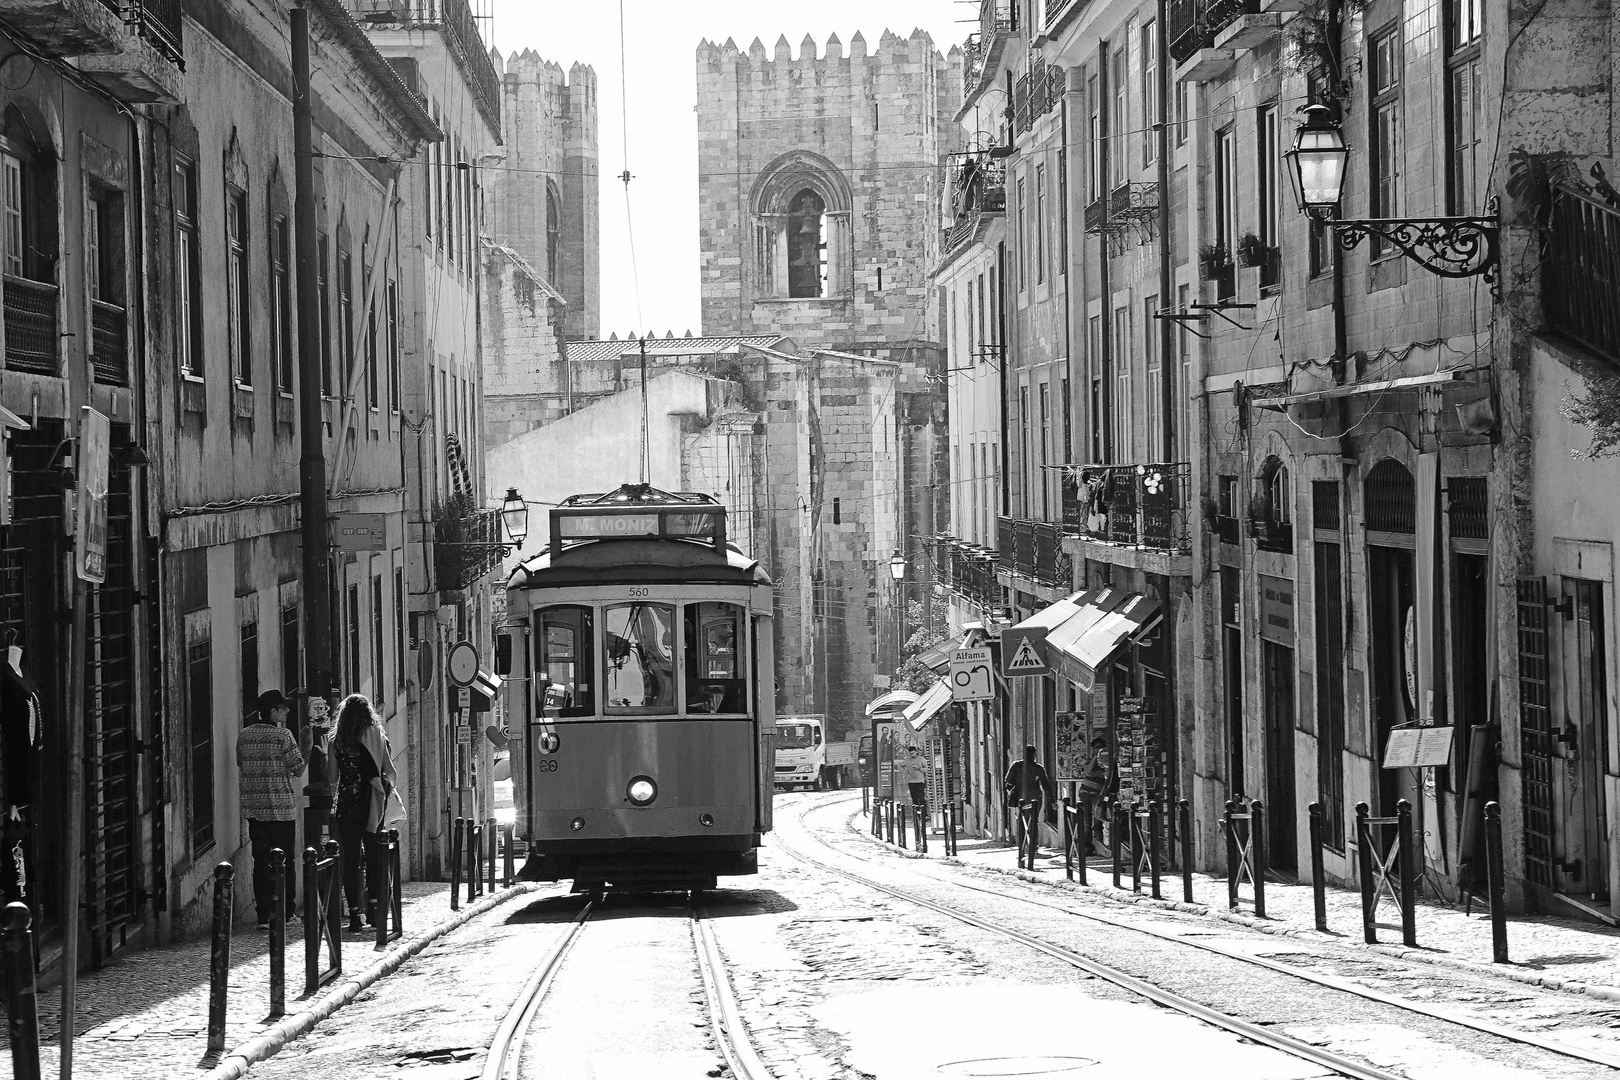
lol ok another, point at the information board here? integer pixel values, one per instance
(1073, 746)
(1415, 747)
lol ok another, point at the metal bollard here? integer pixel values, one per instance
(22, 1006)
(1403, 830)
(492, 829)
(919, 827)
(1133, 822)
(1114, 838)
(1318, 875)
(509, 868)
(278, 932)
(900, 809)
(455, 866)
(383, 901)
(1258, 863)
(1229, 827)
(1493, 877)
(1364, 856)
(219, 958)
(312, 919)
(1153, 848)
(1184, 812)
(475, 857)
(1085, 842)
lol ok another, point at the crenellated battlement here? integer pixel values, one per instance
(892, 49)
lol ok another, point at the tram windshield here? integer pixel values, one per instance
(794, 736)
(639, 644)
(565, 657)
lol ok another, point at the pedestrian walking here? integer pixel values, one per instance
(270, 761)
(1099, 781)
(365, 780)
(1026, 784)
(916, 767)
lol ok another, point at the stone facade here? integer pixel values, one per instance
(855, 427)
(548, 121)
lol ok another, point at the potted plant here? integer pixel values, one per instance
(1213, 261)
(1252, 251)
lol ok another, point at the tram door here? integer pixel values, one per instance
(1580, 743)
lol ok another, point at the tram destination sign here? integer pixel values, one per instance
(618, 525)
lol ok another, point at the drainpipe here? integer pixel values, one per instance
(1104, 163)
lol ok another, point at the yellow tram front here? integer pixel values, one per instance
(647, 760)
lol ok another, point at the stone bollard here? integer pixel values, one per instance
(219, 959)
(22, 1006)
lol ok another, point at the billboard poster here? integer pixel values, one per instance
(90, 532)
(896, 746)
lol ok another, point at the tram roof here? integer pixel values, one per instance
(641, 561)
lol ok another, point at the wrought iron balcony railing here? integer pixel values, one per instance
(1034, 550)
(159, 22)
(109, 348)
(31, 334)
(1581, 287)
(978, 186)
(997, 17)
(966, 569)
(1140, 506)
(1194, 24)
(1037, 93)
(466, 546)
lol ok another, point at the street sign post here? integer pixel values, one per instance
(972, 678)
(1023, 651)
(463, 663)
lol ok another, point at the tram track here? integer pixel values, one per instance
(504, 1059)
(1259, 1033)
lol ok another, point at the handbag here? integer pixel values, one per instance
(393, 809)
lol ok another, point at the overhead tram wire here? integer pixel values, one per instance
(630, 232)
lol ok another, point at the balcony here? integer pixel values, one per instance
(145, 67)
(65, 28)
(1033, 550)
(109, 348)
(967, 570)
(1137, 506)
(1581, 286)
(1037, 93)
(978, 187)
(459, 567)
(456, 19)
(997, 17)
(31, 333)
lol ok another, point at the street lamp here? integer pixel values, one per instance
(897, 566)
(1455, 247)
(515, 512)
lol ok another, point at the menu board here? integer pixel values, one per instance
(1418, 747)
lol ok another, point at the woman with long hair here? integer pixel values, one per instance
(365, 779)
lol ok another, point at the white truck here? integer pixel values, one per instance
(801, 752)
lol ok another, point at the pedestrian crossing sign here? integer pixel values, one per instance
(1023, 652)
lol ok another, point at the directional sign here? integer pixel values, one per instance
(1023, 651)
(971, 676)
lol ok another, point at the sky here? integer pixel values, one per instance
(660, 52)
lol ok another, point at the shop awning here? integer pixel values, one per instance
(1107, 620)
(925, 708)
(938, 659)
(893, 701)
(1053, 615)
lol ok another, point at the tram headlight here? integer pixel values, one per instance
(706, 820)
(577, 824)
(642, 791)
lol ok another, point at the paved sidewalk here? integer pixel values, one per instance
(146, 1014)
(1580, 957)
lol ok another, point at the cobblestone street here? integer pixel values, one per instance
(835, 979)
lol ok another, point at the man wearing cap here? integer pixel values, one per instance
(270, 761)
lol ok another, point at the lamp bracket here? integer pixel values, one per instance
(1454, 247)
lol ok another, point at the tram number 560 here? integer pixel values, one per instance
(639, 594)
(545, 764)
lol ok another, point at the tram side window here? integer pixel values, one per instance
(715, 679)
(565, 656)
(639, 640)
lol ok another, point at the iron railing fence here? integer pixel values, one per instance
(457, 565)
(1034, 551)
(31, 337)
(109, 353)
(159, 22)
(1581, 288)
(1140, 506)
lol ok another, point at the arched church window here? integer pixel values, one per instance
(553, 236)
(807, 245)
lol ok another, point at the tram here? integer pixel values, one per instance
(650, 718)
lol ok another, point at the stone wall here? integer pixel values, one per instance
(548, 122)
